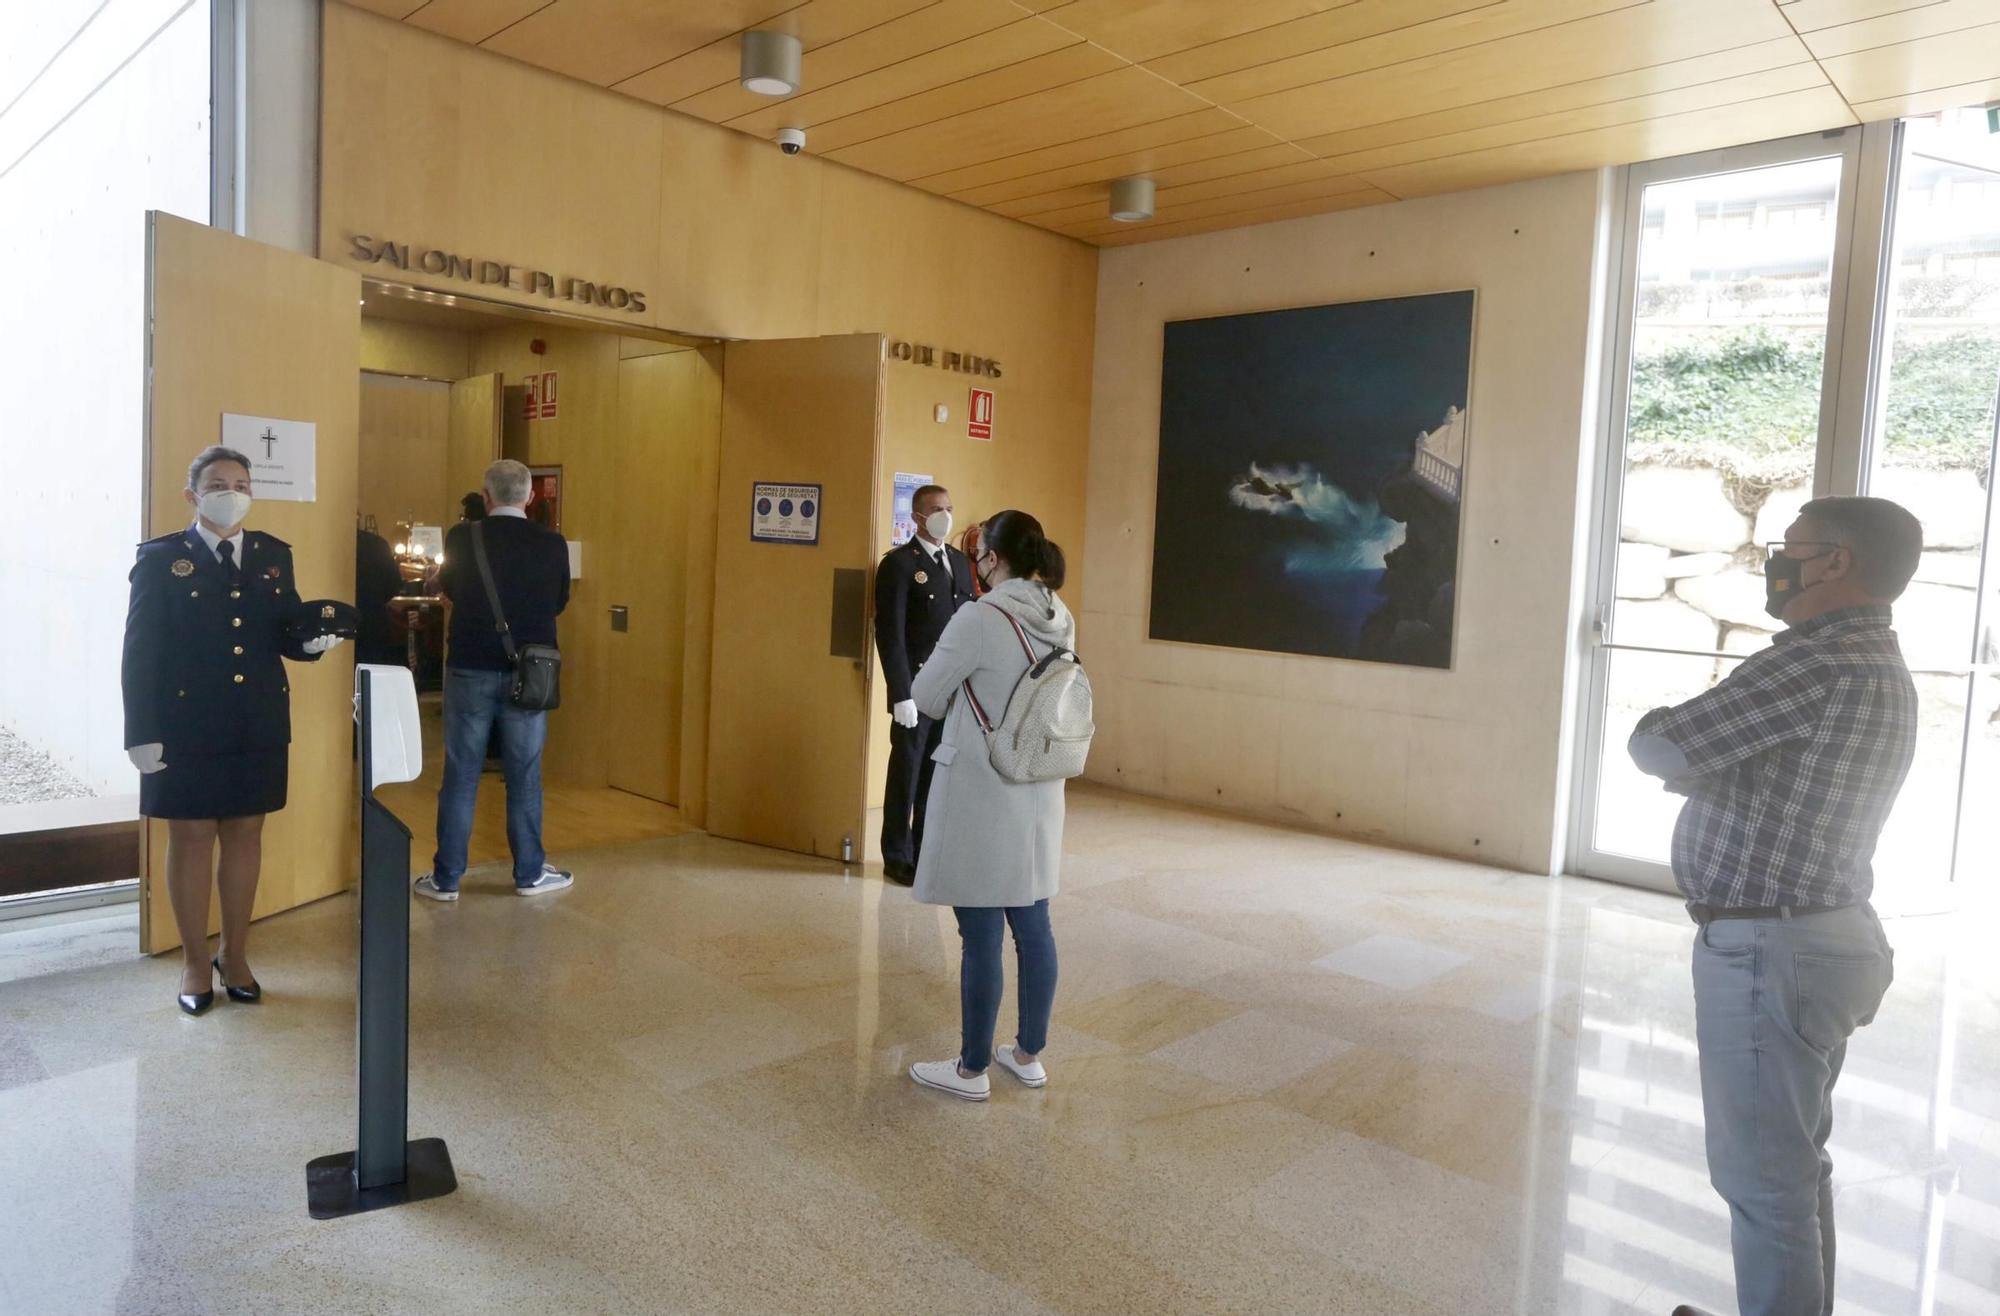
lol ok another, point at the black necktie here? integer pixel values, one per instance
(229, 567)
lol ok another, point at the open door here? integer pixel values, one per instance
(472, 439)
(234, 326)
(788, 722)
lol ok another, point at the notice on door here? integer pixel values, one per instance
(903, 522)
(784, 513)
(979, 415)
(282, 454)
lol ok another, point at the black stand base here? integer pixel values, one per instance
(331, 1190)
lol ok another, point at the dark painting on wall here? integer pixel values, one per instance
(1311, 467)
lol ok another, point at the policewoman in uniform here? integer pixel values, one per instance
(208, 709)
(918, 588)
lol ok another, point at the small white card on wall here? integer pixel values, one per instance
(282, 454)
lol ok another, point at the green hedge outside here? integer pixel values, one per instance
(1747, 402)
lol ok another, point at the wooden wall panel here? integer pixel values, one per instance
(404, 428)
(396, 347)
(241, 327)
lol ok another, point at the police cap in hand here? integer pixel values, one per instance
(316, 617)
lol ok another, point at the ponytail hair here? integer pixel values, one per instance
(1017, 539)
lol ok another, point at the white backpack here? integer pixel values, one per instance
(1044, 734)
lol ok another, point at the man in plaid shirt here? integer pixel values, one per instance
(1790, 768)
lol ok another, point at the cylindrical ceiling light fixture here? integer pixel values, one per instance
(771, 63)
(1131, 199)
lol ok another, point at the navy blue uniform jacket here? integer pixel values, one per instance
(204, 669)
(913, 601)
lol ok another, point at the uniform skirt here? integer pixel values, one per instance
(217, 785)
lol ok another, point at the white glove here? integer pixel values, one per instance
(906, 713)
(320, 643)
(146, 758)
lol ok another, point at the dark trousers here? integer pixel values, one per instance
(910, 750)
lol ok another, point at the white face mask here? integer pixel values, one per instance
(938, 525)
(224, 507)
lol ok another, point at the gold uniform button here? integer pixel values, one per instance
(236, 594)
(239, 678)
(235, 621)
(237, 650)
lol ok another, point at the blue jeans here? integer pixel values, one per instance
(475, 703)
(980, 982)
(1775, 1001)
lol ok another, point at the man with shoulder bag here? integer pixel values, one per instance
(507, 579)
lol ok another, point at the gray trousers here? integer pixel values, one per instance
(1775, 1002)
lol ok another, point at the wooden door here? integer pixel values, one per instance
(236, 326)
(788, 723)
(668, 408)
(472, 441)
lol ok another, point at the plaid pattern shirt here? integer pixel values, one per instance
(1790, 766)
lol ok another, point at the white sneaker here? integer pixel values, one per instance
(1032, 1074)
(944, 1076)
(427, 887)
(551, 879)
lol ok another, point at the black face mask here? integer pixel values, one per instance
(1784, 580)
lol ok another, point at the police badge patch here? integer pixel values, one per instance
(327, 612)
(183, 567)
(922, 578)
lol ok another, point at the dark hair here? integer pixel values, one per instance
(924, 493)
(1017, 539)
(472, 507)
(1887, 542)
(208, 457)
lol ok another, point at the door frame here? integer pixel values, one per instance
(1848, 394)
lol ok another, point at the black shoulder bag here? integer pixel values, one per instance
(537, 667)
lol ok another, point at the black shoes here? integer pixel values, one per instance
(196, 1002)
(900, 874)
(246, 995)
(1685, 1310)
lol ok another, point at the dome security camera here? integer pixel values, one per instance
(791, 140)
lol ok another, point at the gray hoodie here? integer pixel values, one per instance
(988, 841)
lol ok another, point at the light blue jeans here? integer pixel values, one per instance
(1775, 1001)
(474, 703)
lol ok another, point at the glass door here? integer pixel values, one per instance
(1815, 316)
(1722, 408)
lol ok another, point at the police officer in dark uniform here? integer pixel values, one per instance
(917, 589)
(208, 709)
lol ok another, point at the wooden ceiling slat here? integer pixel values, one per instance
(1118, 99)
(607, 41)
(1285, 182)
(1726, 64)
(1650, 139)
(399, 9)
(1240, 172)
(1887, 72)
(1938, 19)
(1126, 234)
(931, 33)
(1930, 102)
(1149, 31)
(1204, 156)
(1085, 147)
(1356, 22)
(1614, 43)
(818, 24)
(462, 20)
(1000, 91)
(1747, 91)
(1812, 15)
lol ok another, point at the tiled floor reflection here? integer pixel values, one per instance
(1289, 1074)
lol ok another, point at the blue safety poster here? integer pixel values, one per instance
(784, 513)
(904, 527)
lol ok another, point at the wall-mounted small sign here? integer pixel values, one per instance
(979, 415)
(365, 250)
(784, 513)
(283, 462)
(538, 399)
(902, 517)
(922, 354)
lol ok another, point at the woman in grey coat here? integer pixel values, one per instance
(991, 846)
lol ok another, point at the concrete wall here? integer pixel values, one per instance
(1467, 762)
(115, 124)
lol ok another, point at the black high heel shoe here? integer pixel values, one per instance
(246, 995)
(196, 1002)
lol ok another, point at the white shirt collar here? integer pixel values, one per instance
(521, 512)
(935, 551)
(210, 538)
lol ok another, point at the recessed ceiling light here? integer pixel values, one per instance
(771, 63)
(1131, 199)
